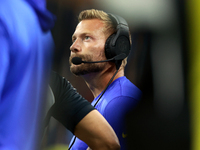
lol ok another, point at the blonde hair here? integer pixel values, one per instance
(110, 27)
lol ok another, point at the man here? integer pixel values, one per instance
(25, 62)
(100, 36)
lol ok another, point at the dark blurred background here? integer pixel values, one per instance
(165, 50)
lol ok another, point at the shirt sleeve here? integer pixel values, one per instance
(4, 56)
(70, 107)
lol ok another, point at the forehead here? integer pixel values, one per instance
(90, 26)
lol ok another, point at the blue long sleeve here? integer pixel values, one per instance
(25, 62)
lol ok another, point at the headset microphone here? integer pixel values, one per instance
(78, 60)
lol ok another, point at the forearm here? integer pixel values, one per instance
(95, 131)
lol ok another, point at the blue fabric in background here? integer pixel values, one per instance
(26, 47)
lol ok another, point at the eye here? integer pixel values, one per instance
(87, 37)
(73, 40)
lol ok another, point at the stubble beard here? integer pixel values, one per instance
(86, 68)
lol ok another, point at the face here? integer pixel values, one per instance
(88, 44)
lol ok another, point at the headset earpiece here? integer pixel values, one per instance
(118, 42)
(109, 48)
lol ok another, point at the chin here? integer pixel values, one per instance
(75, 69)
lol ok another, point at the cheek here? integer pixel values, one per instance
(99, 51)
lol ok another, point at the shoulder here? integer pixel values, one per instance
(59, 85)
(55, 79)
(122, 95)
(122, 87)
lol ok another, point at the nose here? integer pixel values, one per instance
(75, 47)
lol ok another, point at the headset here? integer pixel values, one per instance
(117, 47)
(118, 42)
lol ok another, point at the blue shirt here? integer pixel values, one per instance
(120, 98)
(25, 60)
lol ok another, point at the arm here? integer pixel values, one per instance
(94, 130)
(80, 117)
(4, 58)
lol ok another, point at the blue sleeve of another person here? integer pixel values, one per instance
(25, 62)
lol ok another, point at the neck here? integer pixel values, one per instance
(97, 82)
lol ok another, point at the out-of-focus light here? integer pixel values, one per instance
(153, 14)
